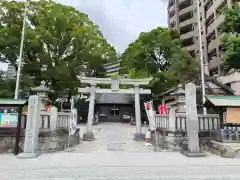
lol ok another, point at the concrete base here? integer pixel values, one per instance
(28, 155)
(139, 137)
(157, 149)
(193, 154)
(88, 136)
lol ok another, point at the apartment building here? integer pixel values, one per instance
(112, 68)
(183, 16)
(11, 72)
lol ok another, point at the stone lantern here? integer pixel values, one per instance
(42, 91)
(179, 96)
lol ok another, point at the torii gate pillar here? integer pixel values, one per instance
(88, 135)
(138, 135)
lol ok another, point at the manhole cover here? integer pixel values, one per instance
(115, 147)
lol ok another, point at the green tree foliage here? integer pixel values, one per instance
(60, 43)
(6, 86)
(231, 39)
(159, 54)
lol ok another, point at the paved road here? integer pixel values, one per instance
(112, 137)
(117, 165)
(89, 163)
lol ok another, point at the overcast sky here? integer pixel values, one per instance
(121, 21)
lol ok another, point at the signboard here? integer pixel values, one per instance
(233, 115)
(8, 117)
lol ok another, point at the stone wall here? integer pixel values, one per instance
(221, 149)
(169, 142)
(49, 141)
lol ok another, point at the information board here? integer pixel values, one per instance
(233, 115)
(8, 117)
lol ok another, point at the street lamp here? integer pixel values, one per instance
(201, 55)
(21, 51)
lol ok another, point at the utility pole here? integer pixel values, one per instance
(201, 55)
(21, 51)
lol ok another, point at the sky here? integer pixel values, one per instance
(121, 21)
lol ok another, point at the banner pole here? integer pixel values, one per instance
(70, 120)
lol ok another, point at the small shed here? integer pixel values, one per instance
(228, 108)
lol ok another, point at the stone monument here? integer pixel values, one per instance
(42, 91)
(32, 129)
(192, 149)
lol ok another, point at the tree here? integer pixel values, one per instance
(60, 43)
(230, 38)
(7, 86)
(159, 54)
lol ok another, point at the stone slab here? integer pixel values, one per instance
(193, 154)
(88, 136)
(29, 155)
(138, 137)
(116, 147)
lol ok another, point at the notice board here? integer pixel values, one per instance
(8, 117)
(233, 115)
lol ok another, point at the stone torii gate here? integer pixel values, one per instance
(115, 83)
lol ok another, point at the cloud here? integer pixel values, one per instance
(121, 21)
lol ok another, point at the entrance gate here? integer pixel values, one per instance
(115, 83)
(114, 114)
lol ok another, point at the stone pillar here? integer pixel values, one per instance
(88, 135)
(53, 118)
(172, 120)
(193, 149)
(138, 135)
(32, 129)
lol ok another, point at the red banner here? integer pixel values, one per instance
(162, 109)
(48, 107)
(148, 106)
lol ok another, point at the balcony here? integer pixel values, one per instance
(230, 78)
(182, 1)
(172, 19)
(211, 28)
(112, 66)
(206, 1)
(188, 35)
(186, 10)
(218, 3)
(213, 64)
(210, 11)
(171, 8)
(213, 45)
(187, 22)
(190, 48)
(219, 20)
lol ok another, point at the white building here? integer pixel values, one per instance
(112, 68)
(11, 72)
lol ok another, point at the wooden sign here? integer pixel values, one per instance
(233, 116)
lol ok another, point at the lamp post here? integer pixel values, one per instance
(201, 55)
(21, 51)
